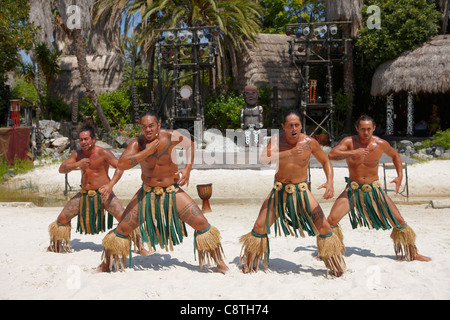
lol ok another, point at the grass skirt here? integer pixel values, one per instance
(91, 219)
(368, 206)
(291, 208)
(159, 222)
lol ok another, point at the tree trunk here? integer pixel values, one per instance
(73, 131)
(151, 74)
(349, 80)
(85, 75)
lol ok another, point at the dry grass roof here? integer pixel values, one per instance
(423, 70)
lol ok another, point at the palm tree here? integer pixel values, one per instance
(347, 10)
(80, 52)
(237, 19)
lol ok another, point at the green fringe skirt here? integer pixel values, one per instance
(368, 206)
(159, 222)
(292, 210)
(91, 219)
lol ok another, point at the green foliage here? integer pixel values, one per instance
(16, 32)
(341, 102)
(47, 59)
(442, 138)
(405, 24)
(22, 166)
(3, 169)
(116, 105)
(265, 100)
(224, 111)
(279, 13)
(57, 108)
(19, 166)
(24, 89)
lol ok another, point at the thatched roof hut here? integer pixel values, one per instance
(423, 70)
(268, 62)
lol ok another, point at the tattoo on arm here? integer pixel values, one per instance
(132, 160)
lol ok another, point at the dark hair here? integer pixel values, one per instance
(151, 114)
(365, 117)
(289, 112)
(87, 127)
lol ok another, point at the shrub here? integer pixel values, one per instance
(116, 106)
(442, 138)
(224, 111)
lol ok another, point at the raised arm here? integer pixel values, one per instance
(271, 153)
(186, 143)
(133, 155)
(327, 168)
(72, 163)
(342, 151)
(113, 162)
(396, 160)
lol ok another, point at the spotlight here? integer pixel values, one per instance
(288, 32)
(200, 35)
(300, 49)
(306, 31)
(187, 52)
(323, 30)
(201, 52)
(333, 29)
(316, 32)
(182, 36)
(189, 35)
(170, 36)
(298, 34)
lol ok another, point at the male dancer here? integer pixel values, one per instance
(363, 197)
(290, 203)
(96, 193)
(160, 208)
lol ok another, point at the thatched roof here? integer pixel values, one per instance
(268, 62)
(345, 10)
(423, 70)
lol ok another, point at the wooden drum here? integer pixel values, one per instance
(204, 192)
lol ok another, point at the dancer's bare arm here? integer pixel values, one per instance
(132, 155)
(327, 168)
(396, 160)
(345, 150)
(72, 163)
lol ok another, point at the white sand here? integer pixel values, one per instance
(29, 272)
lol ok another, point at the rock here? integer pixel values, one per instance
(61, 144)
(120, 141)
(440, 204)
(102, 144)
(403, 144)
(439, 152)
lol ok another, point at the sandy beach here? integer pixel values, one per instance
(29, 272)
